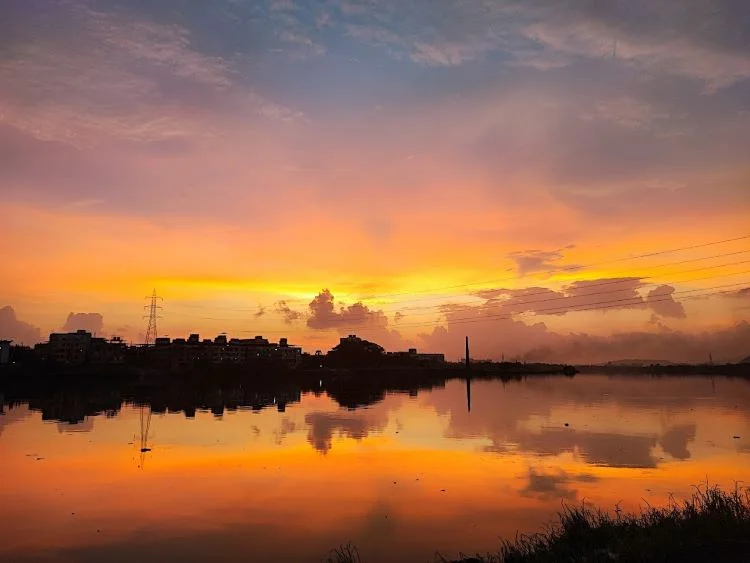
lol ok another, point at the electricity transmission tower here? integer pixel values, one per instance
(153, 310)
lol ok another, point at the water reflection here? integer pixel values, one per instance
(555, 485)
(287, 473)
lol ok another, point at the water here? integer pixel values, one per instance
(403, 478)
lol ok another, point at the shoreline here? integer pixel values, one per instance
(711, 525)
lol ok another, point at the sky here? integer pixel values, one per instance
(557, 180)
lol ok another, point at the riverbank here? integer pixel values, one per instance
(713, 525)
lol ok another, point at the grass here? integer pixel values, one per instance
(712, 525)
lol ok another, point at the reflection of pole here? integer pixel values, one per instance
(145, 427)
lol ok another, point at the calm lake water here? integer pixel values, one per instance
(402, 479)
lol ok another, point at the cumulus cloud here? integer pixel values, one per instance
(20, 332)
(324, 315)
(358, 318)
(605, 294)
(90, 322)
(662, 302)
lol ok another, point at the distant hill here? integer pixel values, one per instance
(745, 361)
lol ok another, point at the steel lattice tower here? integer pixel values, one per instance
(153, 310)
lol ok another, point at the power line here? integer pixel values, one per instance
(601, 305)
(545, 292)
(663, 265)
(584, 295)
(618, 303)
(397, 306)
(612, 282)
(567, 268)
(559, 297)
(609, 282)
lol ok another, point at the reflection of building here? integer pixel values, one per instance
(4, 351)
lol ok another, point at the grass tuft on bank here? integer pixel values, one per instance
(711, 525)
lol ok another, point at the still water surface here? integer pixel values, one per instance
(402, 479)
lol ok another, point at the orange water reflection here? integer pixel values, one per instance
(401, 479)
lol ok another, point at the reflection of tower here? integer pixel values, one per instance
(153, 308)
(145, 427)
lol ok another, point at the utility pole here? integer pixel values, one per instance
(468, 378)
(153, 309)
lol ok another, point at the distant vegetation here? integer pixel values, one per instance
(713, 525)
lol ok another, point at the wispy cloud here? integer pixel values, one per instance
(540, 261)
(113, 75)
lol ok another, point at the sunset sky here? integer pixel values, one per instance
(412, 172)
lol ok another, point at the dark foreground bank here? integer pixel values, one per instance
(713, 525)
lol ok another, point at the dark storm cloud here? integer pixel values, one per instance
(20, 332)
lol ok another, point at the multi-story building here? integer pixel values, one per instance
(417, 357)
(4, 351)
(69, 347)
(182, 353)
(80, 347)
(105, 351)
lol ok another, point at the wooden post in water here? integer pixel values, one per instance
(467, 353)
